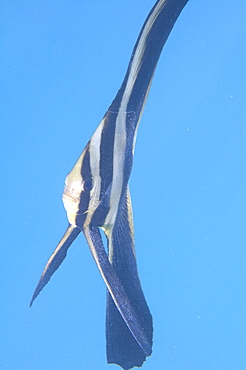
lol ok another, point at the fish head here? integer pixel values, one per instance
(81, 191)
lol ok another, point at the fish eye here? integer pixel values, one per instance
(87, 184)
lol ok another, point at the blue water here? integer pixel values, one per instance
(61, 67)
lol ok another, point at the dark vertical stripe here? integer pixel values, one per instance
(107, 150)
(106, 167)
(85, 194)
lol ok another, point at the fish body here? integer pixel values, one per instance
(97, 197)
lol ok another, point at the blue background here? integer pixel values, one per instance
(62, 63)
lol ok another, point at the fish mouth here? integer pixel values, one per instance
(71, 205)
(66, 197)
(70, 202)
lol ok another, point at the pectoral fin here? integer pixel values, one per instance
(56, 258)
